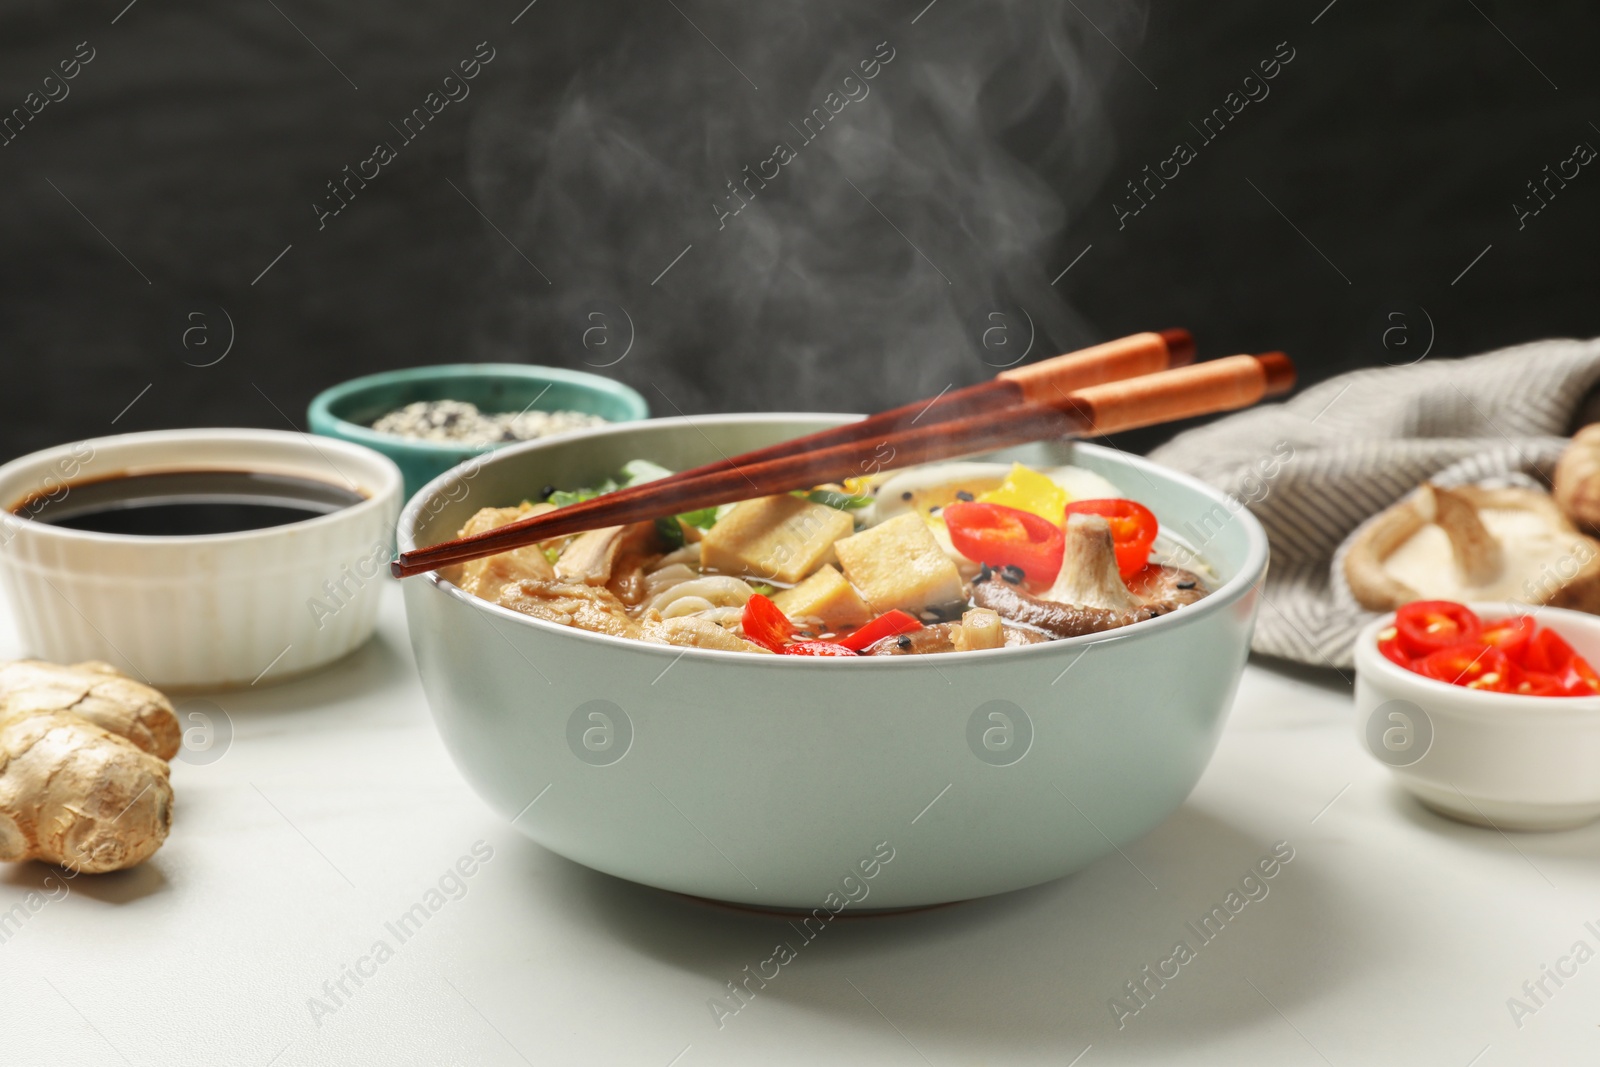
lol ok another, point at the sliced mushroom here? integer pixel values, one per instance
(1016, 637)
(952, 637)
(1476, 551)
(1089, 576)
(940, 637)
(979, 628)
(1053, 618)
(1159, 584)
(1577, 479)
(1472, 543)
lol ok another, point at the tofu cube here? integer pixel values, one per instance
(826, 596)
(899, 564)
(778, 538)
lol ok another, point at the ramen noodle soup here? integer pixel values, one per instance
(952, 557)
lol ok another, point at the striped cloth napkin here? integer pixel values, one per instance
(1316, 468)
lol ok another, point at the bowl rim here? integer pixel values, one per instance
(1458, 699)
(383, 495)
(319, 412)
(1249, 574)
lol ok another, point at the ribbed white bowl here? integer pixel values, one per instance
(205, 611)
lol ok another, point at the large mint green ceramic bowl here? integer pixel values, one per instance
(348, 410)
(783, 781)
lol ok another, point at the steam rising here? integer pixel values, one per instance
(808, 298)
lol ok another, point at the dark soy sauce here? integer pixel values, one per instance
(186, 503)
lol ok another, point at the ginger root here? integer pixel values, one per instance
(98, 692)
(83, 772)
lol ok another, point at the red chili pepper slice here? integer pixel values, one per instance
(1133, 530)
(1510, 636)
(1540, 684)
(1581, 679)
(1002, 536)
(1389, 645)
(1427, 626)
(1548, 652)
(766, 624)
(889, 624)
(816, 648)
(1472, 665)
(1510, 655)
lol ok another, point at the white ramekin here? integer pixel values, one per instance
(204, 611)
(1495, 759)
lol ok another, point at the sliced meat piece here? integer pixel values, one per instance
(690, 631)
(487, 577)
(1057, 620)
(587, 607)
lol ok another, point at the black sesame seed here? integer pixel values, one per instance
(964, 495)
(906, 495)
(984, 574)
(903, 641)
(1012, 574)
(1185, 585)
(544, 494)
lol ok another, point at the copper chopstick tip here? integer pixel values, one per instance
(1180, 347)
(1279, 369)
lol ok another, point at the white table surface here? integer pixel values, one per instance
(1394, 936)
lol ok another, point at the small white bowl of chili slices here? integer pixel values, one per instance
(1488, 713)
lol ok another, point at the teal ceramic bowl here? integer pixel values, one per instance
(348, 410)
(811, 783)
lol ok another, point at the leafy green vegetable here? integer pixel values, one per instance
(562, 497)
(670, 532)
(703, 519)
(637, 472)
(841, 501)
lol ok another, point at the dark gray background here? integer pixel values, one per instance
(1386, 158)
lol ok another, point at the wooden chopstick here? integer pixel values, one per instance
(1203, 389)
(1125, 357)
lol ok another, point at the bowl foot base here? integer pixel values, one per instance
(1503, 814)
(777, 912)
